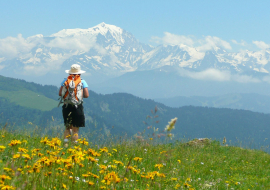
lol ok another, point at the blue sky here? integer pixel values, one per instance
(228, 20)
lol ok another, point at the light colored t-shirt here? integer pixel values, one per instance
(85, 85)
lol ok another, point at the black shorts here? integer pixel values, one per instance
(73, 116)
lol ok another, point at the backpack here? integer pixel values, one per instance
(72, 91)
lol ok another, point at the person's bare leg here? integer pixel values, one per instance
(67, 134)
(75, 133)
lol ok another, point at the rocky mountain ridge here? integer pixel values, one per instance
(111, 51)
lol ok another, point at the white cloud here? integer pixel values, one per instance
(100, 49)
(242, 43)
(245, 79)
(49, 65)
(2, 67)
(11, 47)
(217, 75)
(260, 44)
(72, 43)
(266, 79)
(2, 59)
(19, 47)
(172, 39)
(204, 44)
(209, 74)
(210, 42)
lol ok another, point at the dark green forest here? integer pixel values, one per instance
(125, 114)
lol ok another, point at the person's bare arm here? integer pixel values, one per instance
(60, 91)
(85, 93)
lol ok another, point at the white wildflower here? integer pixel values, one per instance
(171, 124)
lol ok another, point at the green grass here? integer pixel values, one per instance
(176, 165)
(29, 99)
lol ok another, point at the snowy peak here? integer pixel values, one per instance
(101, 29)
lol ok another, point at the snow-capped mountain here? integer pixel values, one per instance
(115, 51)
(108, 51)
(190, 58)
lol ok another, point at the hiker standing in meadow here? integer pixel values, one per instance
(73, 90)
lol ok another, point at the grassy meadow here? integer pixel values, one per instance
(35, 162)
(29, 99)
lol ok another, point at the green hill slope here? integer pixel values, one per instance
(29, 95)
(29, 99)
(122, 113)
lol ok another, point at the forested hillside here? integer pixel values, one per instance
(122, 113)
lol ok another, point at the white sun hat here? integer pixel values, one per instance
(75, 69)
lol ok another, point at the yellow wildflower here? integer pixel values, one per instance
(118, 162)
(111, 177)
(187, 185)
(16, 156)
(35, 150)
(8, 170)
(103, 167)
(14, 142)
(137, 159)
(177, 186)
(44, 140)
(7, 187)
(93, 175)
(84, 142)
(85, 175)
(22, 150)
(93, 152)
(26, 156)
(105, 149)
(40, 155)
(158, 166)
(113, 166)
(160, 174)
(64, 186)
(2, 148)
(91, 183)
(4, 177)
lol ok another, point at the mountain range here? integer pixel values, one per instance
(121, 114)
(252, 102)
(116, 61)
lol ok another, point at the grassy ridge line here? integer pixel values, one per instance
(43, 163)
(12, 84)
(29, 99)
